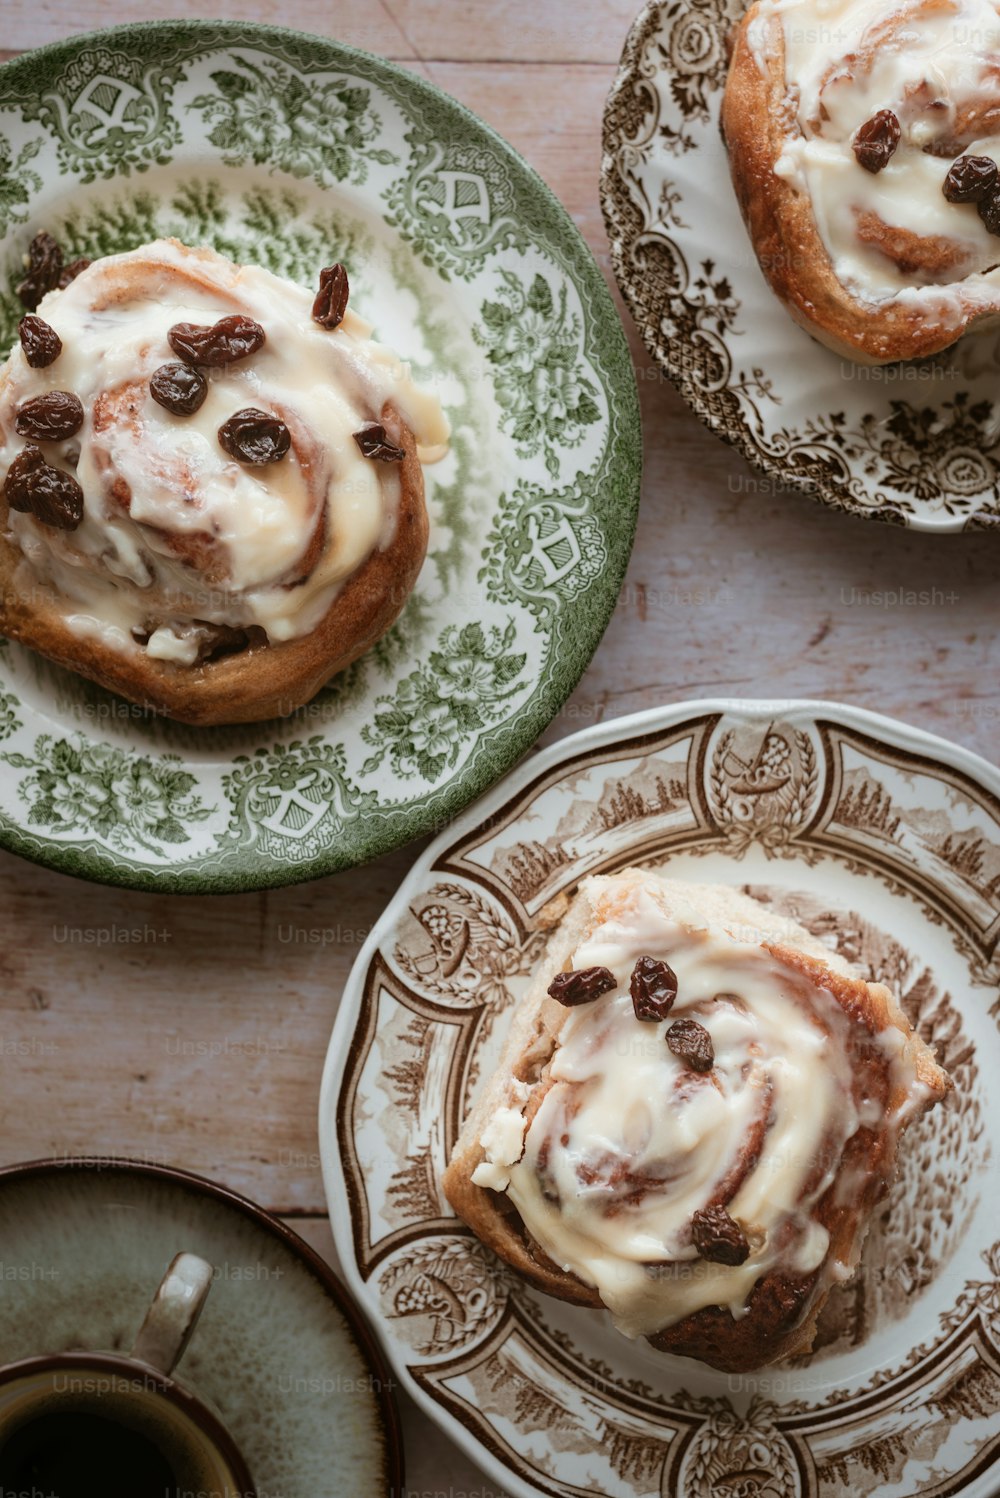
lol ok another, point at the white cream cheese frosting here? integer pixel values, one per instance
(935, 64)
(627, 1143)
(200, 536)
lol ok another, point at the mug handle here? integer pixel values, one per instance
(173, 1314)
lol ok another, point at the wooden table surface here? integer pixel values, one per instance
(203, 1045)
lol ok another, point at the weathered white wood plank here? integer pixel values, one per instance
(510, 31)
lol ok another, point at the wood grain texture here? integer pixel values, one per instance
(202, 1044)
(504, 31)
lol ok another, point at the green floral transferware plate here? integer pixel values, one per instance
(914, 444)
(882, 841)
(290, 151)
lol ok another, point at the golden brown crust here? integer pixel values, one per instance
(757, 119)
(783, 1308)
(263, 680)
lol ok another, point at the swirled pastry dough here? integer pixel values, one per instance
(183, 552)
(607, 1146)
(879, 264)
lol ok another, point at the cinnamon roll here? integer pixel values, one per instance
(864, 142)
(697, 1109)
(213, 497)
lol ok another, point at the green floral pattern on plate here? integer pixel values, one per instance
(9, 721)
(285, 150)
(533, 344)
(544, 549)
(465, 685)
(455, 206)
(109, 112)
(131, 802)
(268, 114)
(285, 799)
(17, 181)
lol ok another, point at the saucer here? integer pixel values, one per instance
(281, 1353)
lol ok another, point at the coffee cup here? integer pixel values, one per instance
(97, 1424)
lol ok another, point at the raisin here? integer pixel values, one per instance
(34, 487)
(70, 272)
(692, 1044)
(255, 437)
(718, 1238)
(876, 140)
(224, 342)
(653, 987)
(331, 299)
(970, 179)
(178, 388)
(42, 344)
(28, 460)
(989, 210)
(374, 443)
(45, 263)
(51, 417)
(582, 985)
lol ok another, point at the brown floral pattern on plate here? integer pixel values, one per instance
(915, 444)
(882, 843)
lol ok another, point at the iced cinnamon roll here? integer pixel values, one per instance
(212, 492)
(697, 1109)
(864, 143)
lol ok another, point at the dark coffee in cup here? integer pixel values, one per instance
(96, 1425)
(74, 1454)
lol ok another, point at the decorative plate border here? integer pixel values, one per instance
(504, 1370)
(267, 122)
(892, 447)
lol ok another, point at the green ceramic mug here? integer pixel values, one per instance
(104, 1425)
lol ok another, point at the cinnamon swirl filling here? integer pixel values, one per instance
(626, 1152)
(931, 68)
